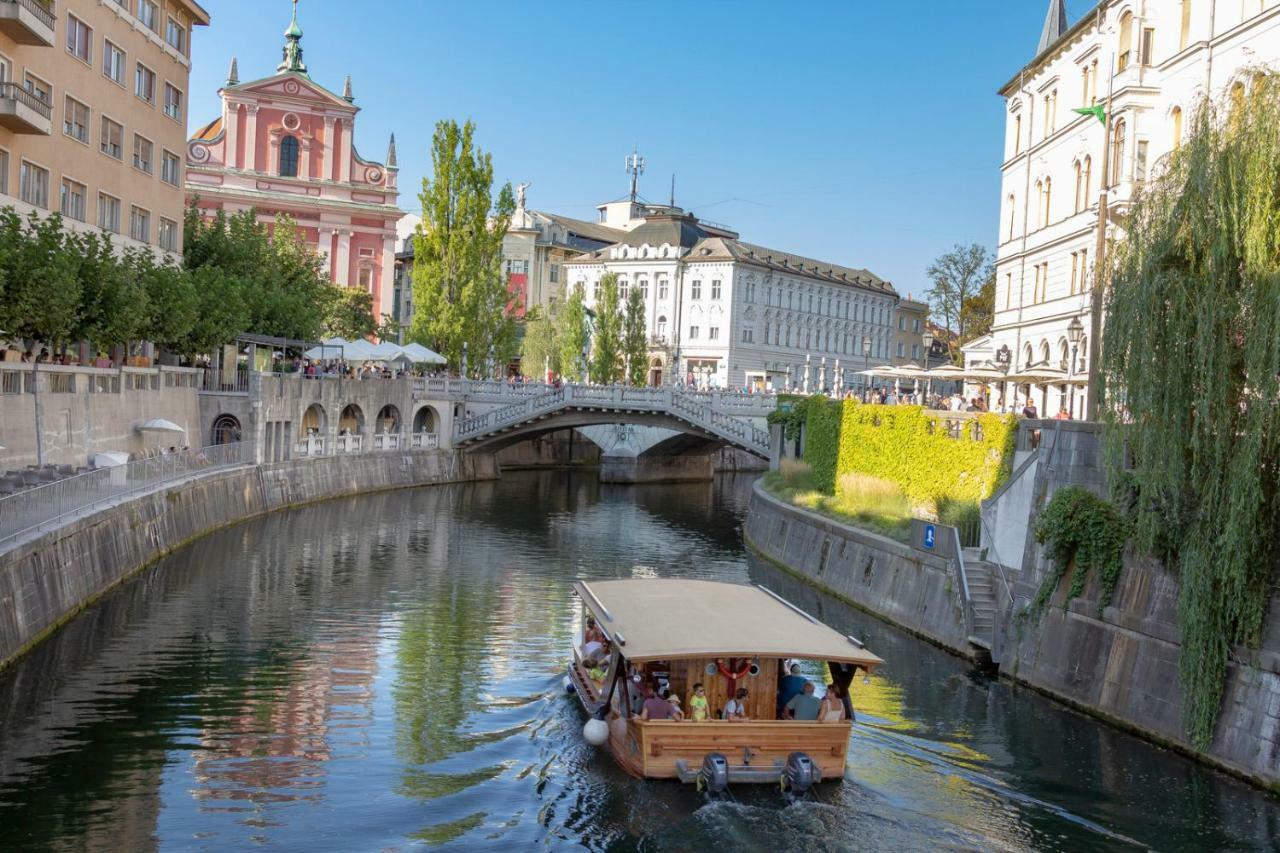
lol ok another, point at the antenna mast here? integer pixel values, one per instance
(635, 168)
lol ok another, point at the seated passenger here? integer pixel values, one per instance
(804, 706)
(790, 686)
(598, 669)
(593, 632)
(655, 707)
(676, 713)
(832, 710)
(736, 708)
(698, 703)
(595, 649)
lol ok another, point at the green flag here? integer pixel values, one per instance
(1097, 111)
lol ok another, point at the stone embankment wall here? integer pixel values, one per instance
(1121, 663)
(906, 586)
(45, 581)
(80, 411)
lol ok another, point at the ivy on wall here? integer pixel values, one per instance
(1078, 525)
(905, 445)
(913, 448)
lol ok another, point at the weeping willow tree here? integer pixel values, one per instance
(1190, 358)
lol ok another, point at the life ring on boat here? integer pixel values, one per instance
(744, 667)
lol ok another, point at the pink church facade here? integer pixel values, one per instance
(284, 145)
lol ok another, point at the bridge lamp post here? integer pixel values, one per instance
(928, 348)
(866, 367)
(1075, 332)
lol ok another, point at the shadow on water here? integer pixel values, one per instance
(385, 672)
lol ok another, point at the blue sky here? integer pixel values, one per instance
(865, 132)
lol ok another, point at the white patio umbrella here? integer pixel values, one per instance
(949, 371)
(385, 351)
(109, 459)
(159, 425)
(419, 354)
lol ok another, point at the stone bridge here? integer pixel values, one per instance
(703, 420)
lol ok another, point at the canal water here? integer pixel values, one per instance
(384, 673)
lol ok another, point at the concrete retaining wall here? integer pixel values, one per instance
(1122, 663)
(47, 580)
(897, 582)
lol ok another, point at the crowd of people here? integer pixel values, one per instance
(796, 697)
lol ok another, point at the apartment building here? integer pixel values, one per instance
(93, 113)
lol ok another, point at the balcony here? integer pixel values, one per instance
(20, 110)
(27, 22)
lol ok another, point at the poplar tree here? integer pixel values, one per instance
(540, 349)
(458, 289)
(635, 343)
(606, 349)
(571, 336)
(958, 279)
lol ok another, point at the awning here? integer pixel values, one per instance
(109, 459)
(949, 371)
(669, 619)
(158, 425)
(984, 374)
(418, 354)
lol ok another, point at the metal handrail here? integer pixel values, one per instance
(33, 508)
(14, 92)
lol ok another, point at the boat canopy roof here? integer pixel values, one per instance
(673, 619)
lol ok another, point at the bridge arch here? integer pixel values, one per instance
(226, 429)
(351, 420)
(426, 419)
(388, 420)
(314, 420)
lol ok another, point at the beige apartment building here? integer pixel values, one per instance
(93, 113)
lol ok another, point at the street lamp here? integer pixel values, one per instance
(1075, 331)
(866, 366)
(928, 349)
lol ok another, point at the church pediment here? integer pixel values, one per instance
(294, 87)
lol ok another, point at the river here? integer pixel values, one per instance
(385, 672)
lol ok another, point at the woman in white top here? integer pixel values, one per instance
(832, 708)
(736, 709)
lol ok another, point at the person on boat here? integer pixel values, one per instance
(655, 707)
(676, 713)
(635, 694)
(698, 703)
(790, 686)
(832, 709)
(804, 706)
(599, 668)
(735, 710)
(595, 649)
(593, 632)
(842, 677)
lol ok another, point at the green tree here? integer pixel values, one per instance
(540, 350)
(458, 287)
(572, 336)
(42, 283)
(958, 277)
(978, 311)
(1191, 374)
(349, 313)
(635, 343)
(113, 301)
(172, 301)
(606, 348)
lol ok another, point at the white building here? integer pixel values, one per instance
(725, 313)
(1163, 55)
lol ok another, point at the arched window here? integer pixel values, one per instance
(662, 327)
(1088, 181)
(1079, 187)
(1017, 134)
(1048, 193)
(1117, 152)
(1126, 41)
(1039, 204)
(1176, 119)
(1185, 33)
(1013, 214)
(289, 157)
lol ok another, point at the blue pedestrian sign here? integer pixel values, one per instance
(929, 534)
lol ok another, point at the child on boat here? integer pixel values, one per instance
(698, 703)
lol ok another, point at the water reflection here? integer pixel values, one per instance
(385, 672)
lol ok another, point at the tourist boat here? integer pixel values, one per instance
(676, 633)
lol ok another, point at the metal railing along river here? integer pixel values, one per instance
(34, 508)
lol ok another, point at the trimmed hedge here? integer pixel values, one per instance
(908, 446)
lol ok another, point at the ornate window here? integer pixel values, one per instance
(289, 157)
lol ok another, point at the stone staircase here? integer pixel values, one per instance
(982, 596)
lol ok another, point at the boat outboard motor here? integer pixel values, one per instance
(714, 776)
(801, 773)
